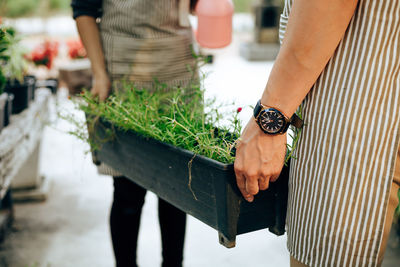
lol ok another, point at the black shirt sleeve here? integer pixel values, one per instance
(86, 7)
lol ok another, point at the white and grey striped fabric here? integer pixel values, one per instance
(340, 181)
(147, 40)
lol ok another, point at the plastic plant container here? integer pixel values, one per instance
(199, 186)
(21, 95)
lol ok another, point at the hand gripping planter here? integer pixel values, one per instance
(201, 187)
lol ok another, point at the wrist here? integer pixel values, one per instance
(100, 74)
(277, 103)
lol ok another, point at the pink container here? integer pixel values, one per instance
(214, 28)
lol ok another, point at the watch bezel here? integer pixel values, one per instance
(267, 110)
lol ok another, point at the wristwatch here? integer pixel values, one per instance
(272, 121)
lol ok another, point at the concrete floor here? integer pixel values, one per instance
(71, 227)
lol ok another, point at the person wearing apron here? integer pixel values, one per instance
(339, 60)
(140, 41)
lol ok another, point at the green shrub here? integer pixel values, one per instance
(21, 8)
(242, 5)
(58, 5)
(12, 61)
(18, 8)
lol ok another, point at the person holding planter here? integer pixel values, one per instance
(339, 60)
(139, 41)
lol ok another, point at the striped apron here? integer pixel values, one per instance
(146, 41)
(340, 181)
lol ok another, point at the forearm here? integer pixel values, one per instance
(314, 31)
(90, 36)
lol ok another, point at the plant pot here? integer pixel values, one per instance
(199, 186)
(3, 103)
(21, 95)
(30, 80)
(8, 110)
(51, 84)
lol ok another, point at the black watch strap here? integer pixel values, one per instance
(296, 121)
(257, 109)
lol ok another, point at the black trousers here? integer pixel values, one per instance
(125, 219)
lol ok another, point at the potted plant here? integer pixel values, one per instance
(14, 67)
(168, 145)
(5, 99)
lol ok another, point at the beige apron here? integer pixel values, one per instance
(340, 181)
(146, 41)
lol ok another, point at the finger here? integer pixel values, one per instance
(94, 92)
(263, 183)
(241, 183)
(252, 185)
(274, 177)
(240, 179)
(103, 96)
(250, 198)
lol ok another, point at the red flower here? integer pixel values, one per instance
(76, 49)
(45, 53)
(239, 110)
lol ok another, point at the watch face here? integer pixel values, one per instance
(271, 121)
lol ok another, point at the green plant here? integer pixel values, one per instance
(56, 5)
(42, 8)
(12, 55)
(242, 5)
(18, 8)
(176, 117)
(3, 47)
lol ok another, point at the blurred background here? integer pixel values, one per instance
(54, 205)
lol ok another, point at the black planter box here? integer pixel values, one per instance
(201, 187)
(21, 94)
